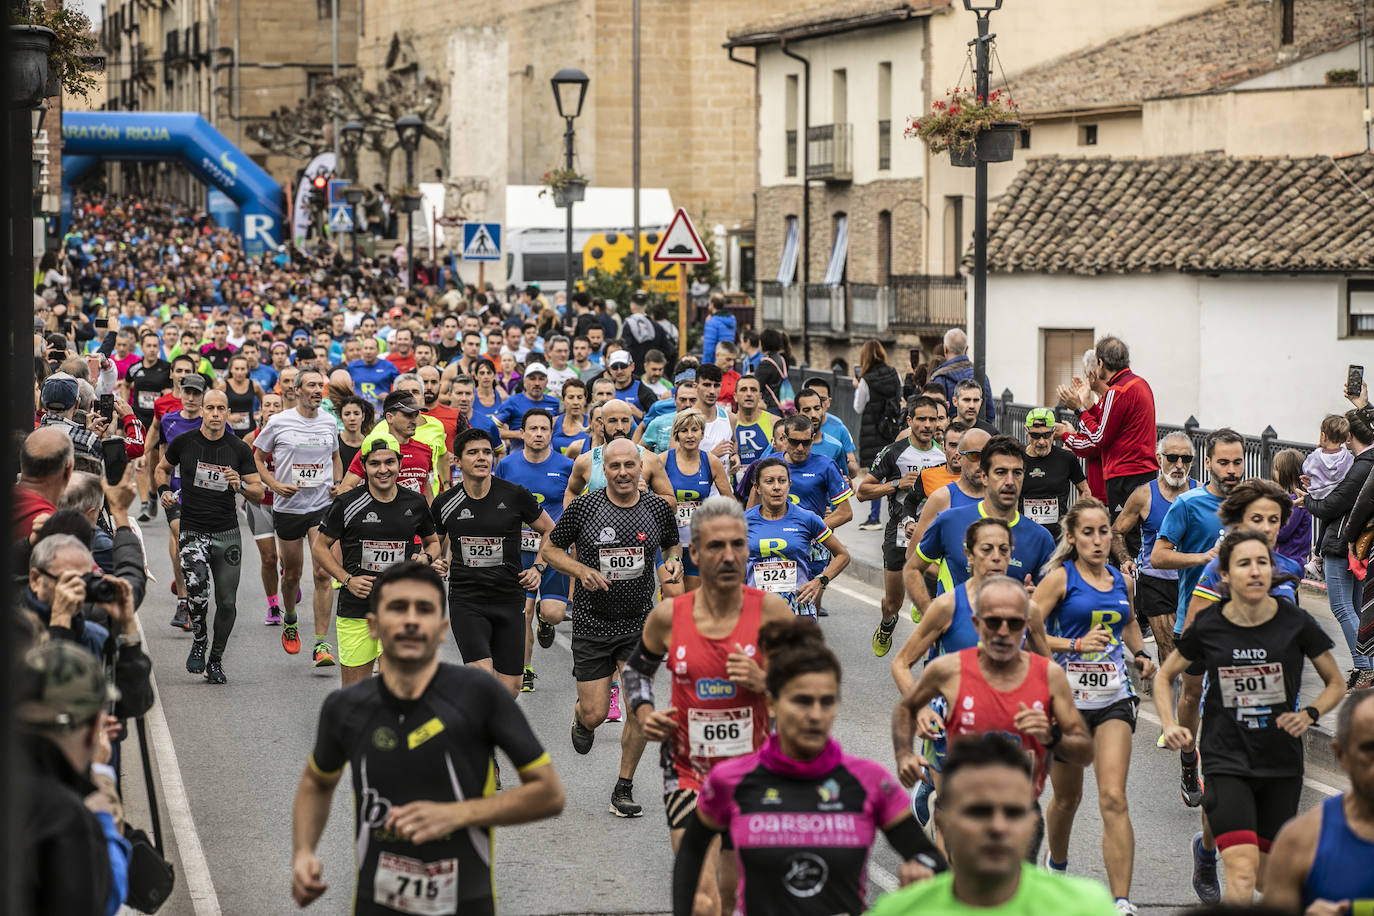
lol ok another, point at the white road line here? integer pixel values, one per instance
(176, 807)
(882, 877)
(871, 596)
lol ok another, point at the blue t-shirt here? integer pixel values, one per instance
(487, 425)
(944, 540)
(787, 543)
(547, 480)
(752, 440)
(1210, 586)
(817, 484)
(1192, 526)
(659, 408)
(658, 434)
(837, 430)
(373, 383)
(562, 441)
(511, 413)
(265, 376)
(832, 448)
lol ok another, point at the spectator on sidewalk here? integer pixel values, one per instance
(1124, 431)
(878, 391)
(957, 367)
(1295, 538)
(720, 325)
(640, 332)
(749, 350)
(727, 354)
(1330, 462)
(46, 463)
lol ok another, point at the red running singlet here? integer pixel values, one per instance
(980, 709)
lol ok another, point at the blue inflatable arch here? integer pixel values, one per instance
(91, 136)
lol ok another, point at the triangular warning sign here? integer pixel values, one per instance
(681, 244)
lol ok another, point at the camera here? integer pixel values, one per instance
(99, 590)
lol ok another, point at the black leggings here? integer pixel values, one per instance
(1249, 810)
(204, 557)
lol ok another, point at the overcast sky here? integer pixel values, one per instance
(90, 7)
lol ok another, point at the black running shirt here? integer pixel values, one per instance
(437, 748)
(207, 502)
(1253, 676)
(146, 385)
(485, 536)
(621, 543)
(373, 535)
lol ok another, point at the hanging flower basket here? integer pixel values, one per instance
(998, 143)
(28, 64)
(566, 185)
(570, 193)
(970, 127)
(962, 156)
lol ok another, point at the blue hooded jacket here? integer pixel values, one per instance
(720, 326)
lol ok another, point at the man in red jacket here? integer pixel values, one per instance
(1123, 432)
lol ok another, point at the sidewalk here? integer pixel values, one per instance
(866, 549)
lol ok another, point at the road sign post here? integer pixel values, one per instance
(680, 244)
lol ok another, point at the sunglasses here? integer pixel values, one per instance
(1182, 459)
(799, 442)
(1041, 435)
(974, 454)
(1013, 624)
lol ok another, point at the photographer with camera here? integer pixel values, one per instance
(114, 544)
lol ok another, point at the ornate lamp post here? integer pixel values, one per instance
(409, 128)
(569, 92)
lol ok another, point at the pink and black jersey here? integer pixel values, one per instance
(802, 830)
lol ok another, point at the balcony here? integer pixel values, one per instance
(781, 305)
(926, 304)
(907, 304)
(830, 152)
(868, 309)
(826, 312)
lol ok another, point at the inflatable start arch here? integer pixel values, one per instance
(91, 136)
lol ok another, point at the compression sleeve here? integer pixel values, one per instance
(638, 678)
(691, 853)
(912, 844)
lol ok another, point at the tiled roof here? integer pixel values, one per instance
(1207, 213)
(829, 18)
(1218, 47)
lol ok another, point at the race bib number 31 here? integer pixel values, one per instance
(411, 886)
(720, 732)
(622, 562)
(1245, 686)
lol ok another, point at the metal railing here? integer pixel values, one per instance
(825, 309)
(920, 302)
(830, 152)
(867, 308)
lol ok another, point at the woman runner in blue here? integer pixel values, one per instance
(571, 434)
(781, 537)
(694, 475)
(1090, 617)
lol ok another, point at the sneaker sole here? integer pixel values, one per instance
(325, 662)
(618, 813)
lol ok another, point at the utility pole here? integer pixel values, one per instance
(639, 268)
(980, 214)
(334, 15)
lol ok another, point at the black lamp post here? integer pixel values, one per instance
(410, 128)
(983, 9)
(350, 139)
(353, 195)
(569, 92)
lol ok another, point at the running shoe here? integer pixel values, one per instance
(1364, 680)
(273, 616)
(623, 804)
(1190, 783)
(1351, 677)
(324, 655)
(195, 661)
(147, 514)
(543, 631)
(871, 525)
(527, 681)
(1054, 869)
(1159, 742)
(582, 736)
(182, 618)
(882, 637)
(290, 639)
(920, 804)
(1125, 907)
(915, 613)
(1205, 872)
(822, 612)
(613, 714)
(214, 672)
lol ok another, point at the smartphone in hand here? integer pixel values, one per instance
(1354, 380)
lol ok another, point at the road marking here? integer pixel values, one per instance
(177, 808)
(846, 590)
(882, 877)
(1315, 784)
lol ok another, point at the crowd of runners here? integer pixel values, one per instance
(506, 468)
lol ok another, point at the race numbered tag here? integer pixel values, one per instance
(622, 562)
(902, 539)
(529, 541)
(481, 551)
(685, 511)
(411, 886)
(720, 732)
(147, 400)
(379, 555)
(1247, 686)
(412, 484)
(1044, 511)
(310, 476)
(1094, 682)
(777, 576)
(212, 476)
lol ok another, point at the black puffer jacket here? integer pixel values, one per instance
(883, 385)
(1335, 508)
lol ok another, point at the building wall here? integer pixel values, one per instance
(1317, 120)
(1310, 72)
(1199, 341)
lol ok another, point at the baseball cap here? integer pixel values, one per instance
(532, 368)
(402, 401)
(381, 444)
(195, 382)
(1040, 418)
(63, 684)
(395, 312)
(619, 358)
(59, 391)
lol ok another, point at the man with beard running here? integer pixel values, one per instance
(214, 468)
(717, 708)
(1188, 540)
(616, 531)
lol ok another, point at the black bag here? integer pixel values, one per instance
(890, 419)
(151, 876)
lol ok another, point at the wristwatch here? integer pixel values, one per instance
(542, 567)
(824, 580)
(1314, 713)
(1056, 735)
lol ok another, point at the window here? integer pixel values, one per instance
(1062, 358)
(835, 270)
(884, 116)
(954, 234)
(787, 265)
(1025, 138)
(884, 247)
(1286, 22)
(324, 9)
(790, 114)
(1359, 308)
(313, 81)
(1087, 135)
(839, 106)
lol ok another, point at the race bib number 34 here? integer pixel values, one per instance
(411, 886)
(1251, 685)
(529, 541)
(622, 562)
(720, 732)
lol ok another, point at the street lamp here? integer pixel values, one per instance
(983, 9)
(409, 129)
(353, 195)
(569, 92)
(350, 139)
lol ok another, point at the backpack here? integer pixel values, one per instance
(889, 420)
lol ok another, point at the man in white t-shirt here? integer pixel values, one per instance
(302, 447)
(557, 350)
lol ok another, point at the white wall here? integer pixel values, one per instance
(1241, 350)
(1309, 72)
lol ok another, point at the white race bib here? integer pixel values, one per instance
(1044, 511)
(379, 555)
(310, 476)
(777, 576)
(482, 552)
(1246, 686)
(147, 399)
(685, 511)
(411, 484)
(1093, 682)
(240, 421)
(622, 562)
(902, 540)
(411, 886)
(529, 541)
(212, 476)
(720, 732)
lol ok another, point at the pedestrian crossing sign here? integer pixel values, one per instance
(340, 218)
(481, 241)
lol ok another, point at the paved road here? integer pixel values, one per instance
(239, 750)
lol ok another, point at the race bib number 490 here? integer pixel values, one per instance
(622, 562)
(411, 886)
(212, 476)
(1093, 682)
(720, 732)
(1245, 686)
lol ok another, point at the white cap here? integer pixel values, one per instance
(619, 356)
(536, 367)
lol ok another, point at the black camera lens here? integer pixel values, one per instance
(99, 590)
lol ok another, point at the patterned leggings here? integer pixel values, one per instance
(203, 557)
